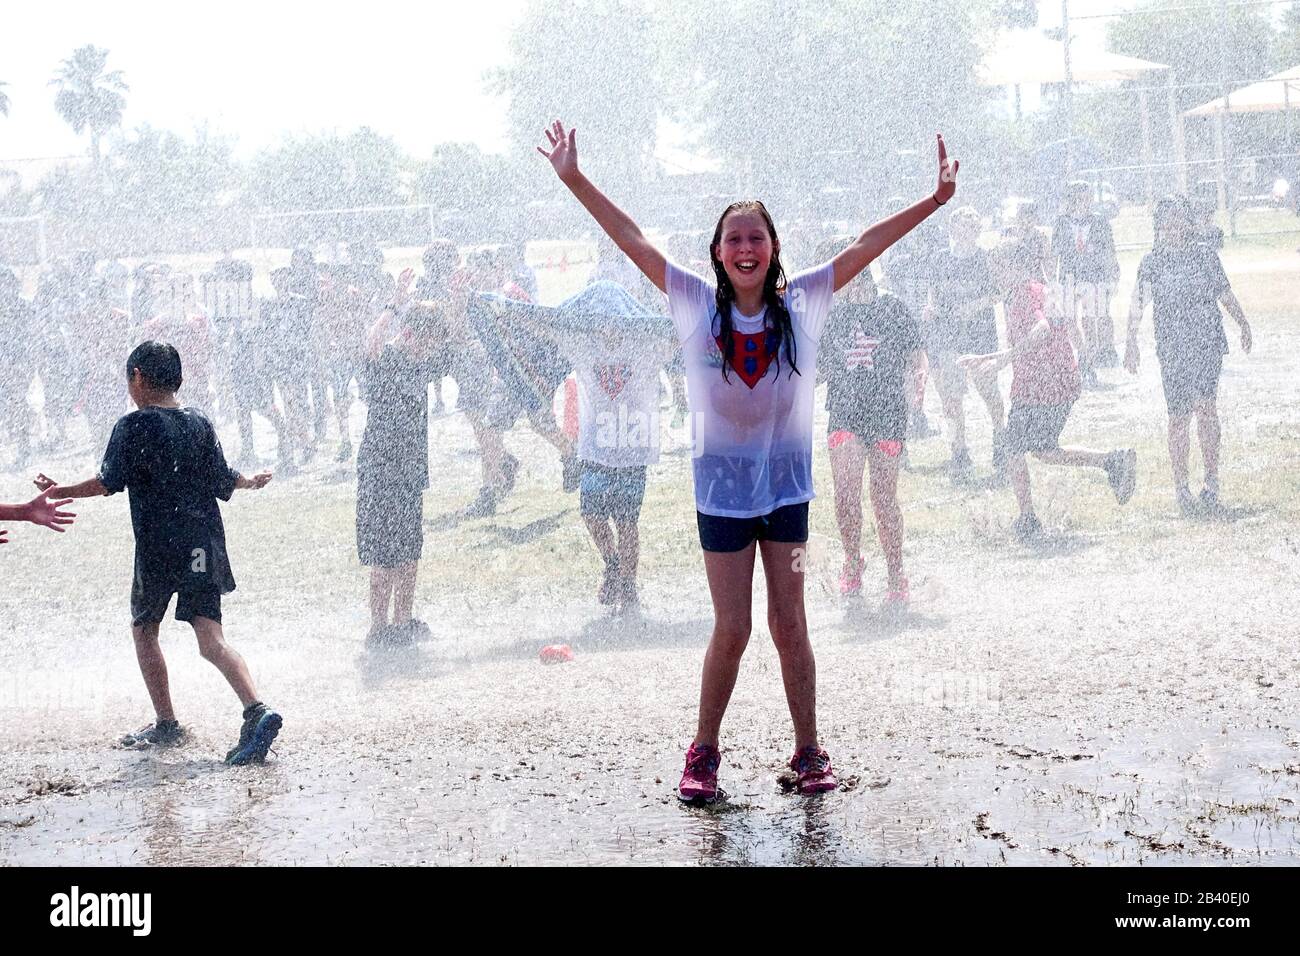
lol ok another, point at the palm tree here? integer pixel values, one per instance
(4, 100)
(90, 98)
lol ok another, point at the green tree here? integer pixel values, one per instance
(329, 171)
(794, 98)
(158, 174)
(90, 97)
(591, 63)
(1198, 44)
(1286, 50)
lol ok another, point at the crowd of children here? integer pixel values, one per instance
(744, 348)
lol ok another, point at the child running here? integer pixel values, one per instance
(1184, 282)
(750, 346)
(169, 460)
(1045, 384)
(872, 355)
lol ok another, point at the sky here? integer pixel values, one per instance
(413, 71)
(256, 70)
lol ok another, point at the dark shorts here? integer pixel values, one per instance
(149, 604)
(1035, 427)
(962, 338)
(390, 522)
(872, 424)
(1189, 379)
(614, 493)
(788, 524)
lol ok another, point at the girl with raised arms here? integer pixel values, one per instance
(750, 344)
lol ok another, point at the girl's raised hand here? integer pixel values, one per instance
(947, 174)
(564, 151)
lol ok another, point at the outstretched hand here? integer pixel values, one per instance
(44, 482)
(258, 481)
(947, 174)
(564, 151)
(41, 510)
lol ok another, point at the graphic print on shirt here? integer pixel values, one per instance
(612, 378)
(753, 353)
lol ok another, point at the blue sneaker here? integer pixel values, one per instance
(255, 737)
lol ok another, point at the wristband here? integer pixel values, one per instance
(936, 201)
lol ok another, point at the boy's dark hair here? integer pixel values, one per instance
(159, 364)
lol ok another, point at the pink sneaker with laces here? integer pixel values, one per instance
(851, 576)
(700, 778)
(813, 767)
(897, 597)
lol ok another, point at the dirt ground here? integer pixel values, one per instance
(1124, 693)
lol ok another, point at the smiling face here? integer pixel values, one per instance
(745, 248)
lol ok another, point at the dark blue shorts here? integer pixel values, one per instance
(614, 493)
(788, 524)
(1035, 427)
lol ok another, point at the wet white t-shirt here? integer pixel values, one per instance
(753, 430)
(618, 398)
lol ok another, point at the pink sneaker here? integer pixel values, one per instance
(851, 576)
(700, 778)
(813, 765)
(897, 598)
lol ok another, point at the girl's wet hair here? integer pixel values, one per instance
(159, 365)
(773, 286)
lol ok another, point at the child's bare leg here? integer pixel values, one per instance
(381, 591)
(601, 535)
(1076, 457)
(952, 394)
(1179, 448)
(491, 449)
(1208, 434)
(404, 591)
(544, 424)
(883, 478)
(1018, 473)
(789, 626)
(847, 461)
(629, 549)
(215, 650)
(987, 386)
(153, 669)
(731, 576)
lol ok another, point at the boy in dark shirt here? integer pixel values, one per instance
(1183, 281)
(960, 320)
(406, 349)
(171, 461)
(1087, 268)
